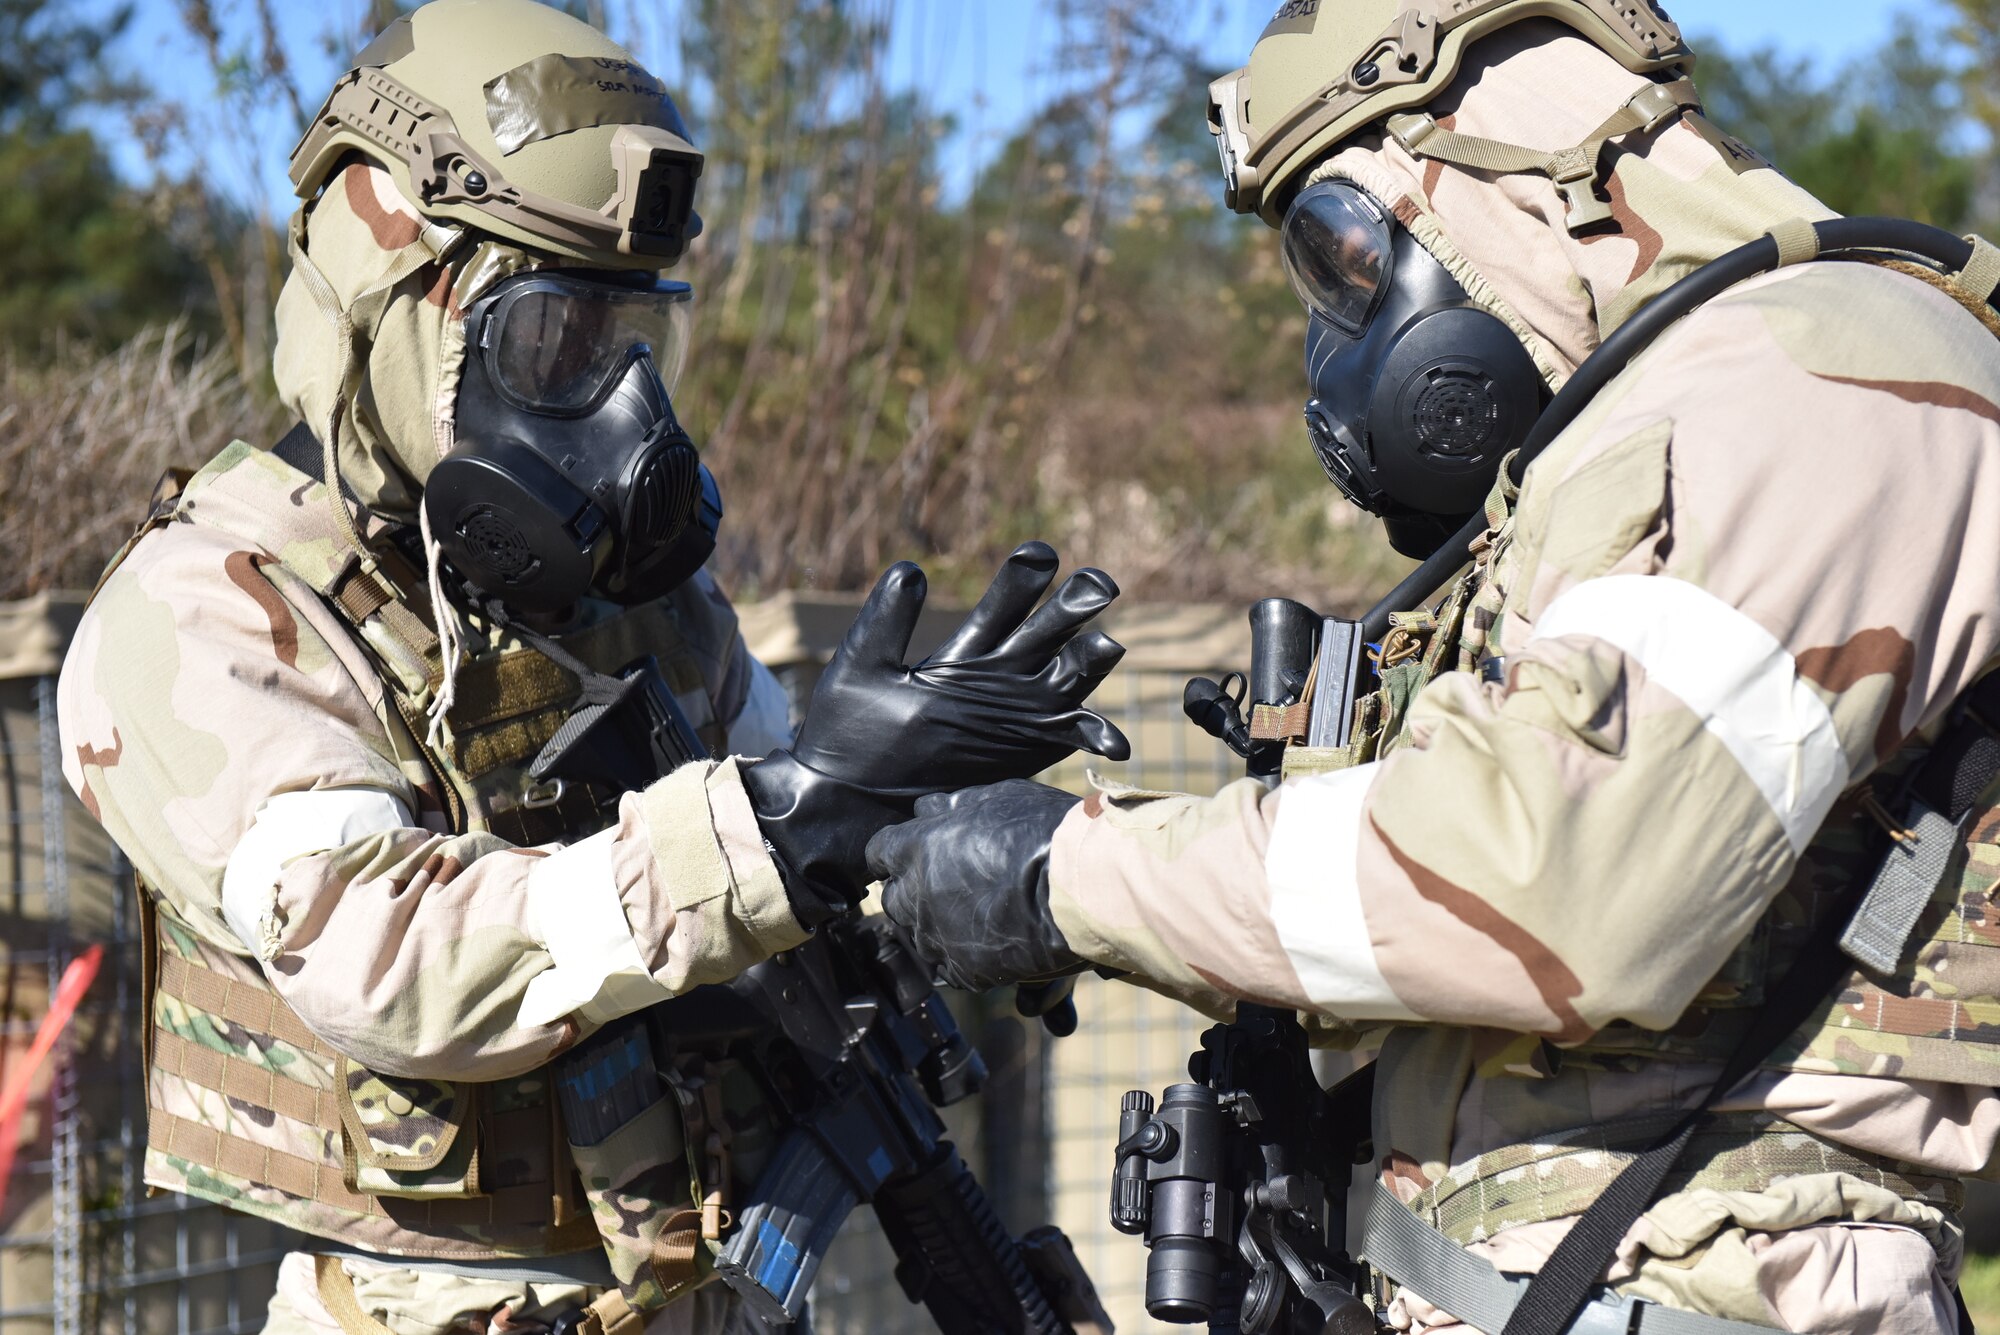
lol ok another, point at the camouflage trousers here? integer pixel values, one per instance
(427, 1302)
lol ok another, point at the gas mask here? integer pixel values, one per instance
(571, 476)
(1419, 394)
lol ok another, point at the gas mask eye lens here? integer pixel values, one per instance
(550, 349)
(1338, 253)
(557, 342)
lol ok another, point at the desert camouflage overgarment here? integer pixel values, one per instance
(1702, 653)
(1758, 567)
(362, 972)
(204, 681)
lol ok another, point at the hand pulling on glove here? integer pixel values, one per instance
(1001, 699)
(968, 882)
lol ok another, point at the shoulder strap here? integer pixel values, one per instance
(159, 509)
(300, 448)
(1575, 170)
(1960, 767)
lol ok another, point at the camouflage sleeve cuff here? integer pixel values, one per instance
(1099, 838)
(1067, 853)
(759, 897)
(1085, 844)
(710, 902)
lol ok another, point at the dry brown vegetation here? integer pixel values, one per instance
(1080, 346)
(84, 437)
(890, 362)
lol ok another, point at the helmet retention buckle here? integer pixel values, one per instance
(1574, 170)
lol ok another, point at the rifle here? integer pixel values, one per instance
(1239, 1190)
(1238, 1180)
(856, 1052)
(1294, 654)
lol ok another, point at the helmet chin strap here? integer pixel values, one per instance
(435, 242)
(1575, 171)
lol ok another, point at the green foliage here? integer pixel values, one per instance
(1085, 346)
(884, 371)
(1889, 134)
(51, 61)
(81, 254)
(1981, 1286)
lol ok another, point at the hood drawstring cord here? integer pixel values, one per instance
(450, 630)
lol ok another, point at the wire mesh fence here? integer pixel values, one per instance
(85, 1250)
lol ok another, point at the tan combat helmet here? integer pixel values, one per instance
(518, 120)
(1325, 70)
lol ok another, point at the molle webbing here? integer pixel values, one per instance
(316, 1180)
(511, 703)
(510, 699)
(1525, 1184)
(538, 1207)
(244, 1082)
(253, 1008)
(1289, 724)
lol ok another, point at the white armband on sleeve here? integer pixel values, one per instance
(296, 825)
(575, 911)
(1730, 672)
(1313, 868)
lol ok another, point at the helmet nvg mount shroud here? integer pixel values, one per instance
(1325, 70)
(520, 121)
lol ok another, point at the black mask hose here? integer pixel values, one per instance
(1637, 334)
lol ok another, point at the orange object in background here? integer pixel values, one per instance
(76, 981)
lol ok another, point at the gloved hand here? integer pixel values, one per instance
(968, 882)
(1001, 699)
(1052, 1002)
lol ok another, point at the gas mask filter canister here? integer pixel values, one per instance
(571, 475)
(1418, 393)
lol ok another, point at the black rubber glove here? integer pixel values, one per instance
(1002, 698)
(1052, 1002)
(968, 883)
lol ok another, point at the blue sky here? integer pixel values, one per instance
(983, 59)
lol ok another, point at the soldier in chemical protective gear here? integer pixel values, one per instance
(1626, 774)
(329, 701)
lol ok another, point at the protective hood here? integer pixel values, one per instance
(392, 289)
(1680, 197)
